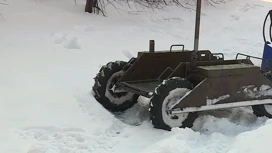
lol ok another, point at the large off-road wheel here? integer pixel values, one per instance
(165, 96)
(103, 88)
(265, 109)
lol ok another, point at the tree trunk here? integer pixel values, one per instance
(89, 6)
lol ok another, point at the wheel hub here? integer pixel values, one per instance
(112, 81)
(173, 120)
(268, 108)
(116, 97)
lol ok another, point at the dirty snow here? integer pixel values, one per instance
(51, 50)
(215, 100)
(252, 91)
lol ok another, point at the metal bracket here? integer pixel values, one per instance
(249, 56)
(216, 54)
(164, 72)
(176, 46)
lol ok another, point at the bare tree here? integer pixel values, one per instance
(3, 3)
(96, 6)
(92, 6)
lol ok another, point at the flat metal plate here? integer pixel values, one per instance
(228, 70)
(225, 67)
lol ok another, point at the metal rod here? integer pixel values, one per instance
(197, 25)
(196, 40)
(270, 30)
(265, 20)
(221, 106)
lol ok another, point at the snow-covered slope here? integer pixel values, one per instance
(51, 50)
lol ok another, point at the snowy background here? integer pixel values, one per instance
(50, 50)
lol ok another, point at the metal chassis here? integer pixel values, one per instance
(234, 80)
(203, 73)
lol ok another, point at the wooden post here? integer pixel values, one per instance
(151, 46)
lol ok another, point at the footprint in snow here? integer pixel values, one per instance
(234, 17)
(70, 140)
(247, 7)
(85, 28)
(244, 8)
(69, 42)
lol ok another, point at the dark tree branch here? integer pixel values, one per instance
(100, 5)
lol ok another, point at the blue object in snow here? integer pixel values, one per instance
(267, 57)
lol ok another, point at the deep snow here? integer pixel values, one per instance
(51, 50)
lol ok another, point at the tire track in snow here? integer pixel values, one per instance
(133, 116)
(213, 131)
(55, 139)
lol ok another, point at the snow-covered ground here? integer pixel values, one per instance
(50, 50)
